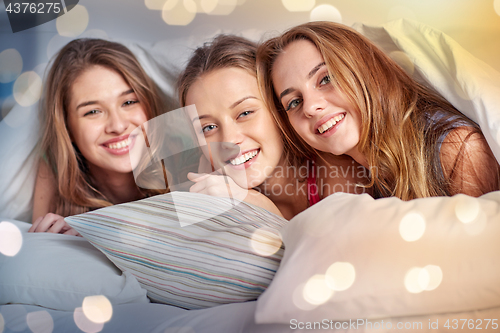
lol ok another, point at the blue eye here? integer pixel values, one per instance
(245, 113)
(293, 104)
(325, 80)
(208, 128)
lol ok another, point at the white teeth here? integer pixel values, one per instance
(244, 158)
(330, 123)
(120, 144)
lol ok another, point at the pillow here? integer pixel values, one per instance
(219, 254)
(58, 271)
(351, 256)
(438, 61)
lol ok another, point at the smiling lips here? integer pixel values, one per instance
(244, 158)
(119, 146)
(330, 123)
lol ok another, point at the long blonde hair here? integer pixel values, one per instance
(399, 148)
(76, 193)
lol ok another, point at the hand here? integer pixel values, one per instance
(53, 223)
(216, 185)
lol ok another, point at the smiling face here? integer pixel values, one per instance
(320, 113)
(230, 110)
(102, 112)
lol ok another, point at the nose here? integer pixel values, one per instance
(232, 134)
(312, 104)
(117, 122)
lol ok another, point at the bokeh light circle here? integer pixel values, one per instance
(340, 276)
(325, 13)
(299, 301)
(11, 65)
(222, 7)
(84, 324)
(27, 88)
(11, 239)
(265, 242)
(412, 227)
(413, 280)
(97, 309)
(298, 5)
(179, 12)
(40, 322)
(154, 4)
(74, 22)
(316, 290)
(496, 5)
(435, 276)
(95, 33)
(467, 208)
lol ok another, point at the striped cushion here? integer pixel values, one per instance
(208, 260)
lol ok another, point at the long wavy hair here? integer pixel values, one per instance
(76, 192)
(401, 150)
(226, 51)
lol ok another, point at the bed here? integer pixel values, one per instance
(428, 265)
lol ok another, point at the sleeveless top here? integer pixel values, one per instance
(312, 187)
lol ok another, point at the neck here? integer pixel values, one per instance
(286, 187)
(116, 187)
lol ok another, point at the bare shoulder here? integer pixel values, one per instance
(468, 162)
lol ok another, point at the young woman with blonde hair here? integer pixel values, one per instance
(95, 94)
(220, 80)
(343, 95)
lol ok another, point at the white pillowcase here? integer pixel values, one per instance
(220, 253)
(59, 271)
(458, 260)
(436, 60)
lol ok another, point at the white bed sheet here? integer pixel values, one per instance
(147, 318)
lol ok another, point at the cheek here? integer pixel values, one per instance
(299, 126)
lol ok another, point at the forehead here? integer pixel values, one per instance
(98, 82)
(219, 89)
(296, 60)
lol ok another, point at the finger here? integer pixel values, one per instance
(196, 177)
(59, 226)
(72, 232)
(46, 222)
(197, 188)
(35, 224)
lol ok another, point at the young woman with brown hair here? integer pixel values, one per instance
(95, 94)
(343, 95)
(220, 80)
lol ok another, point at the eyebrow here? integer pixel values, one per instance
(200, 117)
(241, 101)
(309, 76)
(81, 105)
(231, 107)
